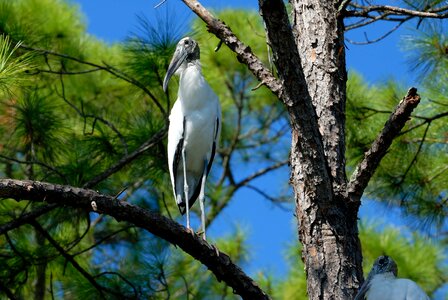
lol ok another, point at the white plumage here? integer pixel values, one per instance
(195, 123)
(382, 284)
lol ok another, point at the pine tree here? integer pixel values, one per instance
(77, 113)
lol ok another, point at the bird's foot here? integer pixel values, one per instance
(213, 247)
(191, 231)
(202, 232)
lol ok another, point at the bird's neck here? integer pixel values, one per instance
(189, 64)
(191, 78)
(387, 275)
(193, 89)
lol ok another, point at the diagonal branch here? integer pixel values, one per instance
(154, 140)
(67, 256)
(26, 218)
(219, 263)
(244, 53)
(365, 169)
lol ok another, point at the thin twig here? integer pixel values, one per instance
(62, 176)
(106, 68)
(68, 257)
(100, 241)
(96, 118)
(363, 11)
(26, 218)
(154, 140)
(414, 159)
(122, 278)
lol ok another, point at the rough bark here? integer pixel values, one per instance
(244, 52)
(310, 59)
(315, 50)
(365, 169)
(218, 262)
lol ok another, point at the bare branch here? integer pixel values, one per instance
(35, 162)
(106, 68)
(276, 201)
(414, 159)
(243, 52)
(385, 35)
(261, 172)
(154, 140)
(373, 156)
(219, 263)
(67, 256)
(26, 218)
(363, 11)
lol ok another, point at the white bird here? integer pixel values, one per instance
(382, 284)
(195, 126)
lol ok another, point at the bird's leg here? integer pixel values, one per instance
(186, 188)
(202, 198)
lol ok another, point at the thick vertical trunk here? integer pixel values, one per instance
(328, 230)
(311, 66)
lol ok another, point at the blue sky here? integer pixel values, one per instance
(114, 20)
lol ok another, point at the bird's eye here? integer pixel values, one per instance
(382, 261)
(186, 42)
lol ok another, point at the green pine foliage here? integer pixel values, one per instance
(71, 107)
(417, 256)
(413, 175)
(13, 68)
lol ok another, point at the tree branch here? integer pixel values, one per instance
(26, 218)
(365, 169)
(67, 256)
(154, 140)
(219, 263)
(106, 68)
(244, 53)
(439, 13)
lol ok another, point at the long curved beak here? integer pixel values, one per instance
(178, 58)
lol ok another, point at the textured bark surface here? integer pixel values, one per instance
(328, 227)
(218, 262)
(372, 158)
(310, 62)
(309, 56)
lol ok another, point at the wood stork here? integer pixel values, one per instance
(195, 125)
(382, 284)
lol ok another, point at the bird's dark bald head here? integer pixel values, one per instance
(187, 50)
(191, 47)
(384, 264)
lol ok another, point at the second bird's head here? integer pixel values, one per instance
(187, 50)
(384, 264)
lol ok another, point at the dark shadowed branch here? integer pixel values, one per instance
(154, 140)
(67, 256)
(219, 263)
(26, 218)
(365, 169)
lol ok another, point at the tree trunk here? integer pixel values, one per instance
(311, 66)
(327, 227)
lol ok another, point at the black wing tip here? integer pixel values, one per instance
(182, 208)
